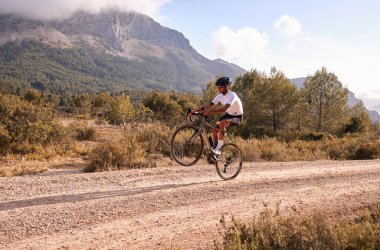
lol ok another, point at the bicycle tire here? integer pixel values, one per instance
(230, 161)
(182, 152)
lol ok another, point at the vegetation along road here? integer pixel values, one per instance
(172, 206)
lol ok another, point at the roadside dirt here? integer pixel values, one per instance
(169, 206)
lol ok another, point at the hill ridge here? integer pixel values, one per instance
(131, 41)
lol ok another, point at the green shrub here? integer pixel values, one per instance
(165, 108)
(116, 155)
(120, 110)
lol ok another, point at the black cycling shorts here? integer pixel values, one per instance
(235, 119)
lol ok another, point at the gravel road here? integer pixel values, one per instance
(169, 206)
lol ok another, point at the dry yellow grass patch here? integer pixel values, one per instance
(12, 166)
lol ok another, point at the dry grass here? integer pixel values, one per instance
(138, 140)
(116, 155)
(317, 230)
(270, 149)
(13, 166)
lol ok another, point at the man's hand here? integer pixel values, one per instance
(190, 112)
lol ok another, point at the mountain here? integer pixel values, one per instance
(352, 100)
(376, 108)
(109, 51)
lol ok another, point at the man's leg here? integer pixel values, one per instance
(215, 134)
(223, 125)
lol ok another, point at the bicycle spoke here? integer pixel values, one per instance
(186, 145)
(229, 163)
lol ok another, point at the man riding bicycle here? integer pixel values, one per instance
(232, 110)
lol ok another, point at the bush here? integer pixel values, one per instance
(318, 136)
(164, 107)
(270, 149)
(5, 139)
(120, 110)
(367, 151)
(273, 150)
(116, 155)
(24, 127)
(155, 138)
(249, 148)
(85, 133)
(271, 230)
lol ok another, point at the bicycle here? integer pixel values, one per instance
(187, 145)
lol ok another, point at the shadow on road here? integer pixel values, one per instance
(49, 200)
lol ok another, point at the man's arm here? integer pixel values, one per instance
(206, 107)
(220, 110)
(203, 108)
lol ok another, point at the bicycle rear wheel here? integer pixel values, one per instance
(230, 161)
(186, 145)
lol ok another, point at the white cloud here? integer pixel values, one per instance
(356, 67)
(245, 47)
(49, 9)
(287, 26)
(302, 54)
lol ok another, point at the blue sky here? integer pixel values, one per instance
(296, 36)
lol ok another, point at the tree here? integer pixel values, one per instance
(209, 92)
(326, 101)
(186, 101)
(83, 104)
(359, 120)
(164, 108)
(101, 103)
(278, 99)
(268, 100)
(247, 86)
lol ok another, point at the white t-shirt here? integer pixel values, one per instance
(232, 99)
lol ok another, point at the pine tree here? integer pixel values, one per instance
(326, 101)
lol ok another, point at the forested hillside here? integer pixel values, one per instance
(110, 51)
(31, 63)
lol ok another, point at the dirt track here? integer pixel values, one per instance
(166, 206)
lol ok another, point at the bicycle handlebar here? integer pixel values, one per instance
(197, 114)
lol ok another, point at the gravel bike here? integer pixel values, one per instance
(189, 140)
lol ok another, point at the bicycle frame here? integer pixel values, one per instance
(228, 163)
(202, 130)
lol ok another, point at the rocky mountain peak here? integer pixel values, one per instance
(112, 26)
(116, 27)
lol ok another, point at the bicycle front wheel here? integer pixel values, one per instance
(186, 145)
(230, 161)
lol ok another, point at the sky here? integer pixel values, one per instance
(298, 37)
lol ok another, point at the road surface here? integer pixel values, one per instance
(169, 206)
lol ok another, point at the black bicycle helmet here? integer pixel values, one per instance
(223, 81)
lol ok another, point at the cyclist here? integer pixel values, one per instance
(232, 110)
